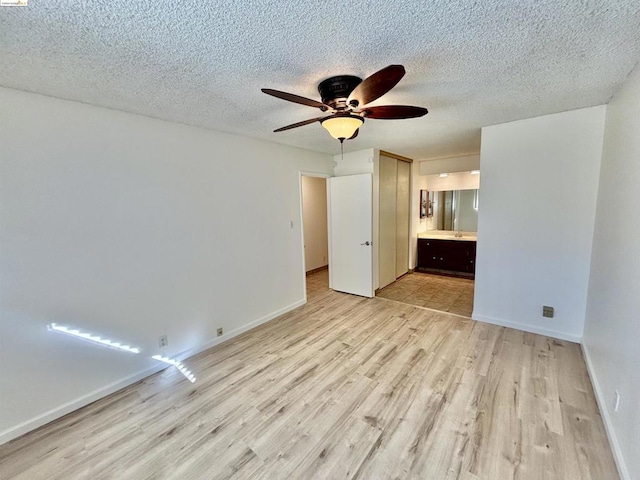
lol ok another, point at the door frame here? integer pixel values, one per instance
(306, 173)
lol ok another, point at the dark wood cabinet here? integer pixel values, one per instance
(456, 257)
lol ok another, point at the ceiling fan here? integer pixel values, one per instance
(346, 97)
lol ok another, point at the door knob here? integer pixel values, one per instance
(367, 243)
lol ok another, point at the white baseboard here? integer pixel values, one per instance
(234, 333)
(527, 328)
(606, 417)
(55, 413)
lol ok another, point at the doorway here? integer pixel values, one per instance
(315, 236)
(445, 259)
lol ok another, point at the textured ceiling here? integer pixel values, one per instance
(472, 63)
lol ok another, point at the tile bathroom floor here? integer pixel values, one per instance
(438, 292)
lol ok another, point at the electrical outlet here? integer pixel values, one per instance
(219, 331)
(547, 311)
(163, 341)
(616, 401)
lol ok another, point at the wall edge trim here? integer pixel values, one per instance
(527, 328)
(623, 471)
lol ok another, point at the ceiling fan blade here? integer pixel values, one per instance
(299, 124)
(377, 84)
(394, 112)
(295, 99)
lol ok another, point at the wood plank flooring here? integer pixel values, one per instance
(343, 387)
(439, 292)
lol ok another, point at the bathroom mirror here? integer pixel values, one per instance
(456, 210)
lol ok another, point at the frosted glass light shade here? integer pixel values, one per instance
(342, 126)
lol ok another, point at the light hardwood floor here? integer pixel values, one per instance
(343, 387)
(439, 292)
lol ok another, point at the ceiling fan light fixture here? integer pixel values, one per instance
(347, 99)
(341, 127)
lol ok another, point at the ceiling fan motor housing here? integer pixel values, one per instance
(336, 88)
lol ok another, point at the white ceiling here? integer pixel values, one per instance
(471, 63)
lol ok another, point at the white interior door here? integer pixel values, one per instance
(351, 257)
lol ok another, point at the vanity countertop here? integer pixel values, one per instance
(437, 235)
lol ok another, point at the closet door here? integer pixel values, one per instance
(387, 221)
(403, 215)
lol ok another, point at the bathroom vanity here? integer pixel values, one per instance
(447, 253)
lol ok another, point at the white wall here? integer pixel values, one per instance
(314, 212)
(352, 163)
(464, 163)
(612, 327)
(454, 181)
(132, 228)
(536, 220)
